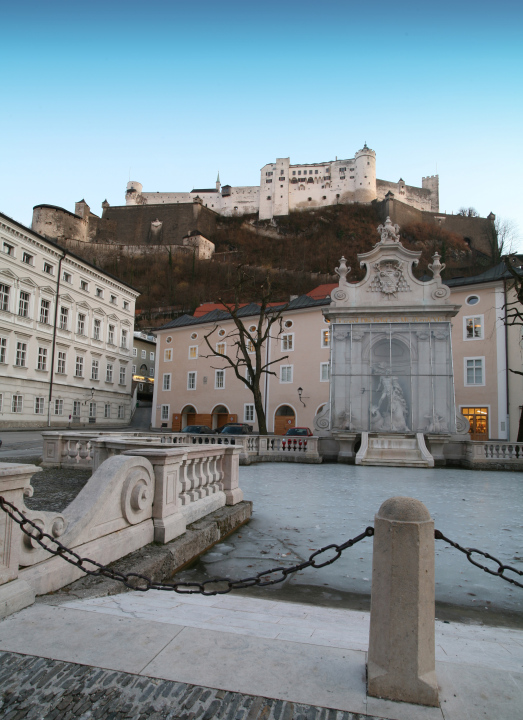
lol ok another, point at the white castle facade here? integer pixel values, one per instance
(285, 187)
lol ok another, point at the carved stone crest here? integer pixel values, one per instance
(388, 278)
(389, 232)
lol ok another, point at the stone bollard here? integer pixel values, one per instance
(15, 594)
(401, 660)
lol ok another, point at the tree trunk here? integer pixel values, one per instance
(260, 411)
(520, 429)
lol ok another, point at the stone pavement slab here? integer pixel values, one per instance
(294, 654)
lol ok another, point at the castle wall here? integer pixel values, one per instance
(57, 224)
(415, 197)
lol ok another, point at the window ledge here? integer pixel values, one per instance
(41, 371)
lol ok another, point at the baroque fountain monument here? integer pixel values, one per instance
(392, 385)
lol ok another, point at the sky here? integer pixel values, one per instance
(170, 93)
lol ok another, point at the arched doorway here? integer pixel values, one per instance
(220, 416)
(188, 416)
(284, 418)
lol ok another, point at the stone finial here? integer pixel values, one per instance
(389, 232)
(436, 267)
(342, 271)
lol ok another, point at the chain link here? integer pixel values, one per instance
(468, 552)
(136, 581)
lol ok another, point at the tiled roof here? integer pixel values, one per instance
(322, 291)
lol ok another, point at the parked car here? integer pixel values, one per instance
(198, 430)
(236, 429)
(299, 431)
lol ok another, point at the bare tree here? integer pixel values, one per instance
(468, 212)
(502, 236)
(247, 343)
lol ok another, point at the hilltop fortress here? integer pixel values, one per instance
(284, 187)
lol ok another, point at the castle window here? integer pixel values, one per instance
(315, 172)
(351, 177)
(337, 196)
(309, 199)
(268, 181)
(299, 172)
(310, 172)
(268, 197)
(324, 197)
(294, 172)
(342, 170)
(351, 169)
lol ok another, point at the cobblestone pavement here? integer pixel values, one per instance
(34, 688)
(55, 488)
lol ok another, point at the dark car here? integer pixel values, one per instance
(198, 430)
(299, 431)
(236, 429)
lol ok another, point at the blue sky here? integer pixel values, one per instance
(170, 93)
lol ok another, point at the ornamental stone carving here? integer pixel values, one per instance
(388, 278)
(389, 233)
(137, 496)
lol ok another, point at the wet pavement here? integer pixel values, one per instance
(299, 509)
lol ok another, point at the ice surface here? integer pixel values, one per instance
(301, 508)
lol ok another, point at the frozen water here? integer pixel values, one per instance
(301, 508)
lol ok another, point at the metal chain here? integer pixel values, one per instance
(468, 552)
(136, 581)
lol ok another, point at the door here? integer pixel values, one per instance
(478, 419)
(284, 419)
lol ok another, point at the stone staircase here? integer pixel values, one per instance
(394, 449)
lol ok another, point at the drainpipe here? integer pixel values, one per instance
(506, 359)
(54, 341)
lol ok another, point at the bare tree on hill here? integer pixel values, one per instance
(246, 345)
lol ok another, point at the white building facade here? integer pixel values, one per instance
(66, 334)
(285, 187)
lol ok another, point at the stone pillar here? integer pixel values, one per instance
(15, 594)
(169, 522)
(231, 475)
(401, 660)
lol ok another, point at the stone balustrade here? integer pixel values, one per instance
(134, 498)
(498, 454)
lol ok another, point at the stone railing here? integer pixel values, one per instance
(140, 496)
(86, 449)
(491, 453)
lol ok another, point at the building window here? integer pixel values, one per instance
(219, 379)
(94, 370)
(135, 352)
(80, 325)
(9, 250)
(287, 342)
(58, 407)
(4, 297)
(325, 338)
(48, 268)
(151, 356)
(67, 277)
(61, 363)
(110, 335)
(113, 299)
(122, 374)
(109, 373)
(84, 285)
(107, 410)
(144, 354)
(324, 372)
(76, 408)
(44, 311)
(474, 371)
(39, 405)
(3, 350)
(286, 374)
(248, 413)
(42, 359)
(166, 381)
(472, 300)
(473, 327)
(133, 369)
(125, 305)
(121, 412)
(96, 329)
(165, 412)
(124, 340)
(151, 372)
(27, 258)
(168, 355)
(21, 351)
(140, 386)
(250, 346)
(221, 348)
(193, 352)
(17, 403)
(23, 305)
(92, 409)
(79, 366)
(64, 318)
(191, 381)
(99, 293)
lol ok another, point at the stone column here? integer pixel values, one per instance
(401, 660)
(169, 522)
(15, 594)
(231, 476)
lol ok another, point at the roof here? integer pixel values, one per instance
(204, 190)
(64, 250)
(498, 272)
(251, 310)
(322, 291)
